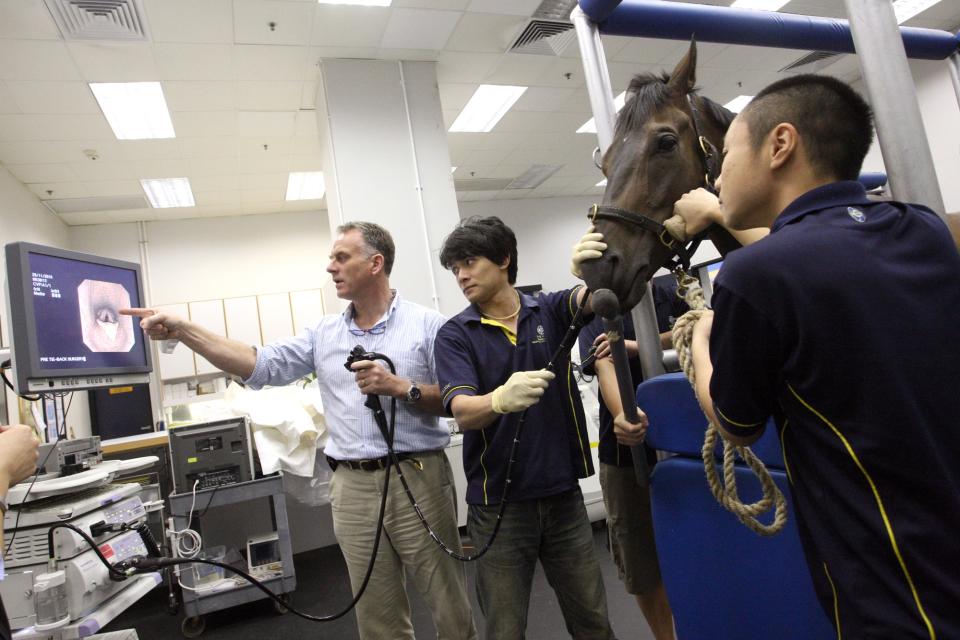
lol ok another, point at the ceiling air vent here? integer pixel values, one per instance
(544, 37)
(812, 62)
(105, 203)
(99, 19)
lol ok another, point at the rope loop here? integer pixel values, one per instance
(725, 491)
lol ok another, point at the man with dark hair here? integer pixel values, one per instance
(837, 324)
(491, 361)
(380, 321)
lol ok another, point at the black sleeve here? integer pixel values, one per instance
(745, 351)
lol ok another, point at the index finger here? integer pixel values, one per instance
(140, 312)
(360, 365)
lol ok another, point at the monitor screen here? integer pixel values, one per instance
(66, 327)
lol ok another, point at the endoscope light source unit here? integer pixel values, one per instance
(488, 104)
(66, 329)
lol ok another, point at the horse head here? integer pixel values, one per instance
(666, 143)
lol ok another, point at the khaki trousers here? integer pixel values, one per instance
(406, 550)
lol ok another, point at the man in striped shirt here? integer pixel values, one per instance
(379, 320)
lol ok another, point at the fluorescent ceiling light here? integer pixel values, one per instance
(135, 110)
(305, 185)
(453, 169)
(737, 104)
(762, 5)
(591, 127)
(365, 3)
(534, 176)
(906, 9)
(602, 183)
(164, 193)
(484, 110)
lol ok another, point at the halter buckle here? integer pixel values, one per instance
(593, 213)
(666, 239)
(704, 148)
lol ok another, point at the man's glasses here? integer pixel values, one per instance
(375, 330)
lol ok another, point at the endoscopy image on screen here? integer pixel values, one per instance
(76, 308)
(101, 324)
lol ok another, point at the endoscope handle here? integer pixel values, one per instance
(606, 306)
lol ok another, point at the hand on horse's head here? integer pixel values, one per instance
(589, 247)
(693, 213)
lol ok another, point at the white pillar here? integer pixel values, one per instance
(385, 160)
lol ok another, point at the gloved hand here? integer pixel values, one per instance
(590, 247)
(523, 389)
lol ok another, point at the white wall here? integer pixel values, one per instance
(941, 114)
(209, 258)
(24, 219)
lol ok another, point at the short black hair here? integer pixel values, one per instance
(487, 238)
(376, 238)
(834, 122)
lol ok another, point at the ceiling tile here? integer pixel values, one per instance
(419, 29)
(252, 21)
(27, 20)
(254, 146)
(114, 62)
(104, 170)
(509, 7)
(650, 51)
(308, 95)
(306, 123)
(85, 218)
(195, 95)
(36, 60)
(211, 166)
(158, 168)
(52, 127)
(543, 99)
(459, 67)
(268, 96)
(109, 188)
(485, 33)
(7, 103)
(27, 173)
(456, 96)
(449, 5)
(51, 190)
(271, 63)
(53, 97)
(346, 26)
(305, 162)
(209, 21)
(200, 184)
(204, 124)
(264, 163)
(266, 123)
(207, 147)
(274, 182)
(151, 149)
(220, 198)
(194, 61)
(43, 152)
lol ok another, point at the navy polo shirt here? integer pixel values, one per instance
(474, 358)
(669, 307)
(842, 324)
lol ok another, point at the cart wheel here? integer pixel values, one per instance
(287, 599)
(193, 627)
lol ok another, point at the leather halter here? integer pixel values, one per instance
(683, 253)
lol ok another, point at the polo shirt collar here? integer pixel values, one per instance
(472, 313)
(348, 314)
(835, 194)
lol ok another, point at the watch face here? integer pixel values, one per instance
(414, 393)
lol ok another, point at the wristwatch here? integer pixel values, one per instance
(413, 393)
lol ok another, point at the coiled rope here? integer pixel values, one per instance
(725, 492)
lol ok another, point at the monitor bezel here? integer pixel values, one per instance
(23, 329)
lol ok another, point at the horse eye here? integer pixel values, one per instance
(666, 143)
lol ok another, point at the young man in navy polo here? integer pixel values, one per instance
(491, 361)
(839, 324)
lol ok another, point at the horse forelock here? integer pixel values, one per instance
(650, 92)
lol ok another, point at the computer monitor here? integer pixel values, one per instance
(707, 272)
(65, 326)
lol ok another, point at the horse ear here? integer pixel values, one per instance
(684, 77)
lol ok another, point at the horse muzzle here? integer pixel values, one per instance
(627, 280)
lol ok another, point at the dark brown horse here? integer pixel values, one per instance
(667, 142)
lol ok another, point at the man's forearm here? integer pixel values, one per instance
(226, 354)
(473, 412)
(607, 381)
(703, 370)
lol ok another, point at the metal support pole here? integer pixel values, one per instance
(597, 77)
(883, 61)
(953, 62)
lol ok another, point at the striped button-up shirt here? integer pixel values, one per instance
(405, 334)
